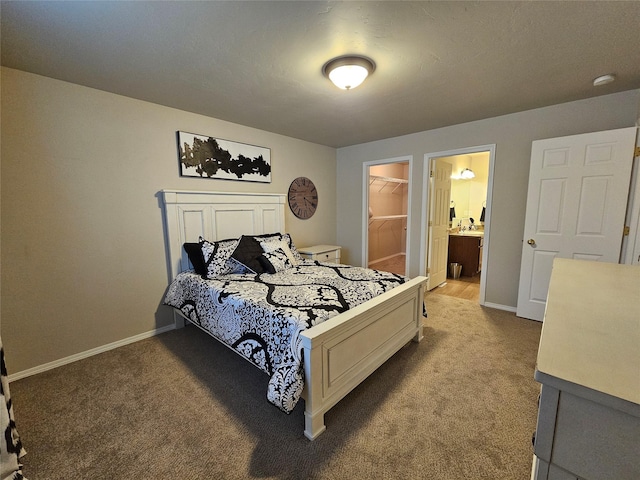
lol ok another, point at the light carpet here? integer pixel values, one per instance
(461, 404)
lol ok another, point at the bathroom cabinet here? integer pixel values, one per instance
(467, 251)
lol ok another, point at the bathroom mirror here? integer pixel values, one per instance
(469, 195)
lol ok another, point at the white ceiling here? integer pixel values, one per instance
(259, 63)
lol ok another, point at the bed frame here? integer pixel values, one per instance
(338, 353)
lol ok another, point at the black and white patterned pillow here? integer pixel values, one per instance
(245, 257)
(238, 267)
(294, 251)
(275, 261)
(216, 256)
(279, 244)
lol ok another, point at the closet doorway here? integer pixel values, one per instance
(467, 226)
(387, 204)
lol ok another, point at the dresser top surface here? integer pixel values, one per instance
(591, 330)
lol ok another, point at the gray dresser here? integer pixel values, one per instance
(589, 367)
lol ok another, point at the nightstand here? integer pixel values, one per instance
(321, 253)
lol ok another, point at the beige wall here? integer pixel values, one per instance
(83, 254)
(512, 135)
(83, 259)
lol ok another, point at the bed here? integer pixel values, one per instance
(319, 362)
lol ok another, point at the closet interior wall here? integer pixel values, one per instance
(388, 199)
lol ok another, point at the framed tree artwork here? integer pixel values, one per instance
(208, 157)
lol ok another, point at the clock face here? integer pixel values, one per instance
(303, 197)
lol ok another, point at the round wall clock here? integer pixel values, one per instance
(303, 198)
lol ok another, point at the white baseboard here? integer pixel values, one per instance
(498, 306)
(88, 353)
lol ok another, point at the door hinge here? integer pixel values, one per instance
(430, 223)
(625, 231)
(431, 173)
(428, 270)
(637, 152)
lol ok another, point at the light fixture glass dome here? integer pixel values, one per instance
(467, 174)
(347, 77)
(603, 80)
(348, 71)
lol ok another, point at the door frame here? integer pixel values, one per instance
(630, 253)
(365, 207)
(428, 163)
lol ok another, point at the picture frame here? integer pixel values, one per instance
(204, 156)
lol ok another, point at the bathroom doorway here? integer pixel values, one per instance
(468, 222)
(387, 204)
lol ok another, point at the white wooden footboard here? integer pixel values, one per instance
(341, 352)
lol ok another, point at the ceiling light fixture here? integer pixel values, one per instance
(467, 174)
(348, 71)
(603, 80)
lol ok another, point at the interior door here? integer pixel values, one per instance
(439, 223)
(576, 204)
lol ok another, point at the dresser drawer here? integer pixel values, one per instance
(585, 438)
(321, 253)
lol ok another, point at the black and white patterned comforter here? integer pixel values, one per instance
(261, 316)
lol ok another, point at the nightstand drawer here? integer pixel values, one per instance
(321, 253)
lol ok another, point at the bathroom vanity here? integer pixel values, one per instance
(465, 248)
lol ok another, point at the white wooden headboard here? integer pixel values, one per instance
(189, 215)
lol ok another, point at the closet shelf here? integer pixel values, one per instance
(386, 218)
(387, 180)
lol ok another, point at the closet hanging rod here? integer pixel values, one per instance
(388, 217)
(387, 179)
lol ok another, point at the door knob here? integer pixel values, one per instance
(531, 242)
